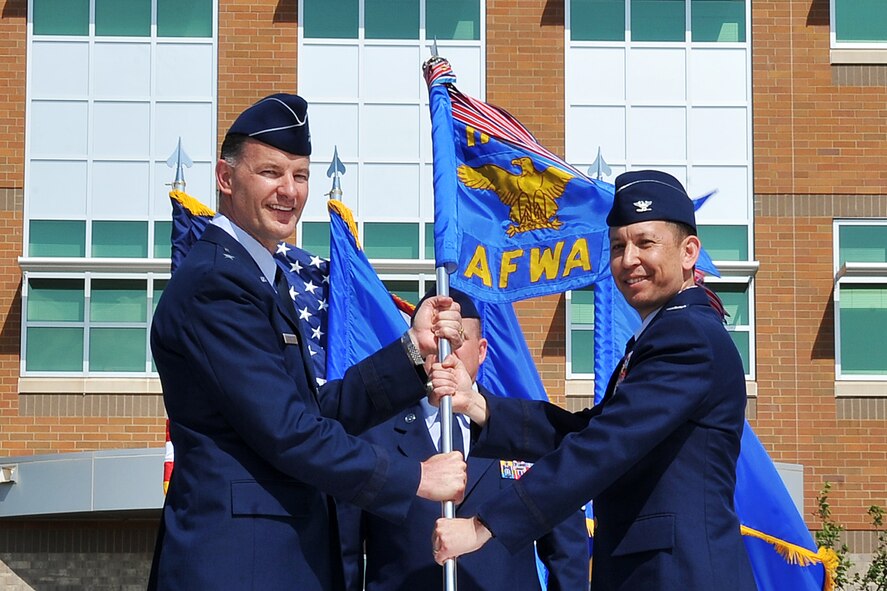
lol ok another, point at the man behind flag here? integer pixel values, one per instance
(259, 448)
(397, 556)
(658, 454)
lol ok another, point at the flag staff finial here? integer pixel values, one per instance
(335, 171)
(178, 160)
(599, 168)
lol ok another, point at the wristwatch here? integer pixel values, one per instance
(411, 350)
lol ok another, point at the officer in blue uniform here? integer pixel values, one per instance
(397, 557)
(658, 454)
(260, 450)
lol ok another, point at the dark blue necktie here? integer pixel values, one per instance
(458, 445)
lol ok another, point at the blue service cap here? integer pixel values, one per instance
(647, 195)
(466, 304)
(279, 120)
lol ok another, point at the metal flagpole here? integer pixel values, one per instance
(448, 509)
(444, 348)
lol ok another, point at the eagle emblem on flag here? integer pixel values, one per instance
(530, 194)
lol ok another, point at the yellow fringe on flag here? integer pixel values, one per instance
(193, 206)
(347, 217)
(794, 554)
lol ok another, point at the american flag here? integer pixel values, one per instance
(308, 276)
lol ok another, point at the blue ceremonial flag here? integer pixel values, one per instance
(363, 316)
(510, 369)
(513, 219)
(782, 551)
(189, 219)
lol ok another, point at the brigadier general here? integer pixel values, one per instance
(261, 451)
(658, 454)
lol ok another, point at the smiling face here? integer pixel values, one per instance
(651, 262)
(264, 191)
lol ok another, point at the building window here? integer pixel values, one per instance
(728, 246)
(125, 79)
(678, 99)
(580, 333)
(860, 299)
(89, 324)
(858, 22)
(374, 114)
(710, 21)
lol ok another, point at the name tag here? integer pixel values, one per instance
(513, 469)
(290, 339)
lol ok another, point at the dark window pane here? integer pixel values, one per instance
(718, 20)
(582, 351)
(55, 300)
(429, 241)
(597, 20)
(391, 240)
(61, 17)
(861, 20)
(405, 290)
(725, 243)
(336, 19)
(162, 240)
(129, 18)
(54, 349)
(658, 20)
(193, 18)
(57, 238)
(117, 349)
(863, 310)
(120, 239)
(316, 238)
(735, 299)
(452, 19)
(118, 300)
(391, 19)
(741, 340)
(862, 244)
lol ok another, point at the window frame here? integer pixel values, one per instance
(853, 52)
(568, 337)
(124, 271)
(853, 273)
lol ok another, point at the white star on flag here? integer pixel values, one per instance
(316, 333)
(316, 261)
(322, 305)
(310, 287)
(296, 267)
(282, 248)
(304, 314)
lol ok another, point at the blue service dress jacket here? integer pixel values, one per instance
(398, 556)
(657, 456)
(257, 460)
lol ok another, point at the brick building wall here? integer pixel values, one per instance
(820, 153)
(820, 150)
(12, 133)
